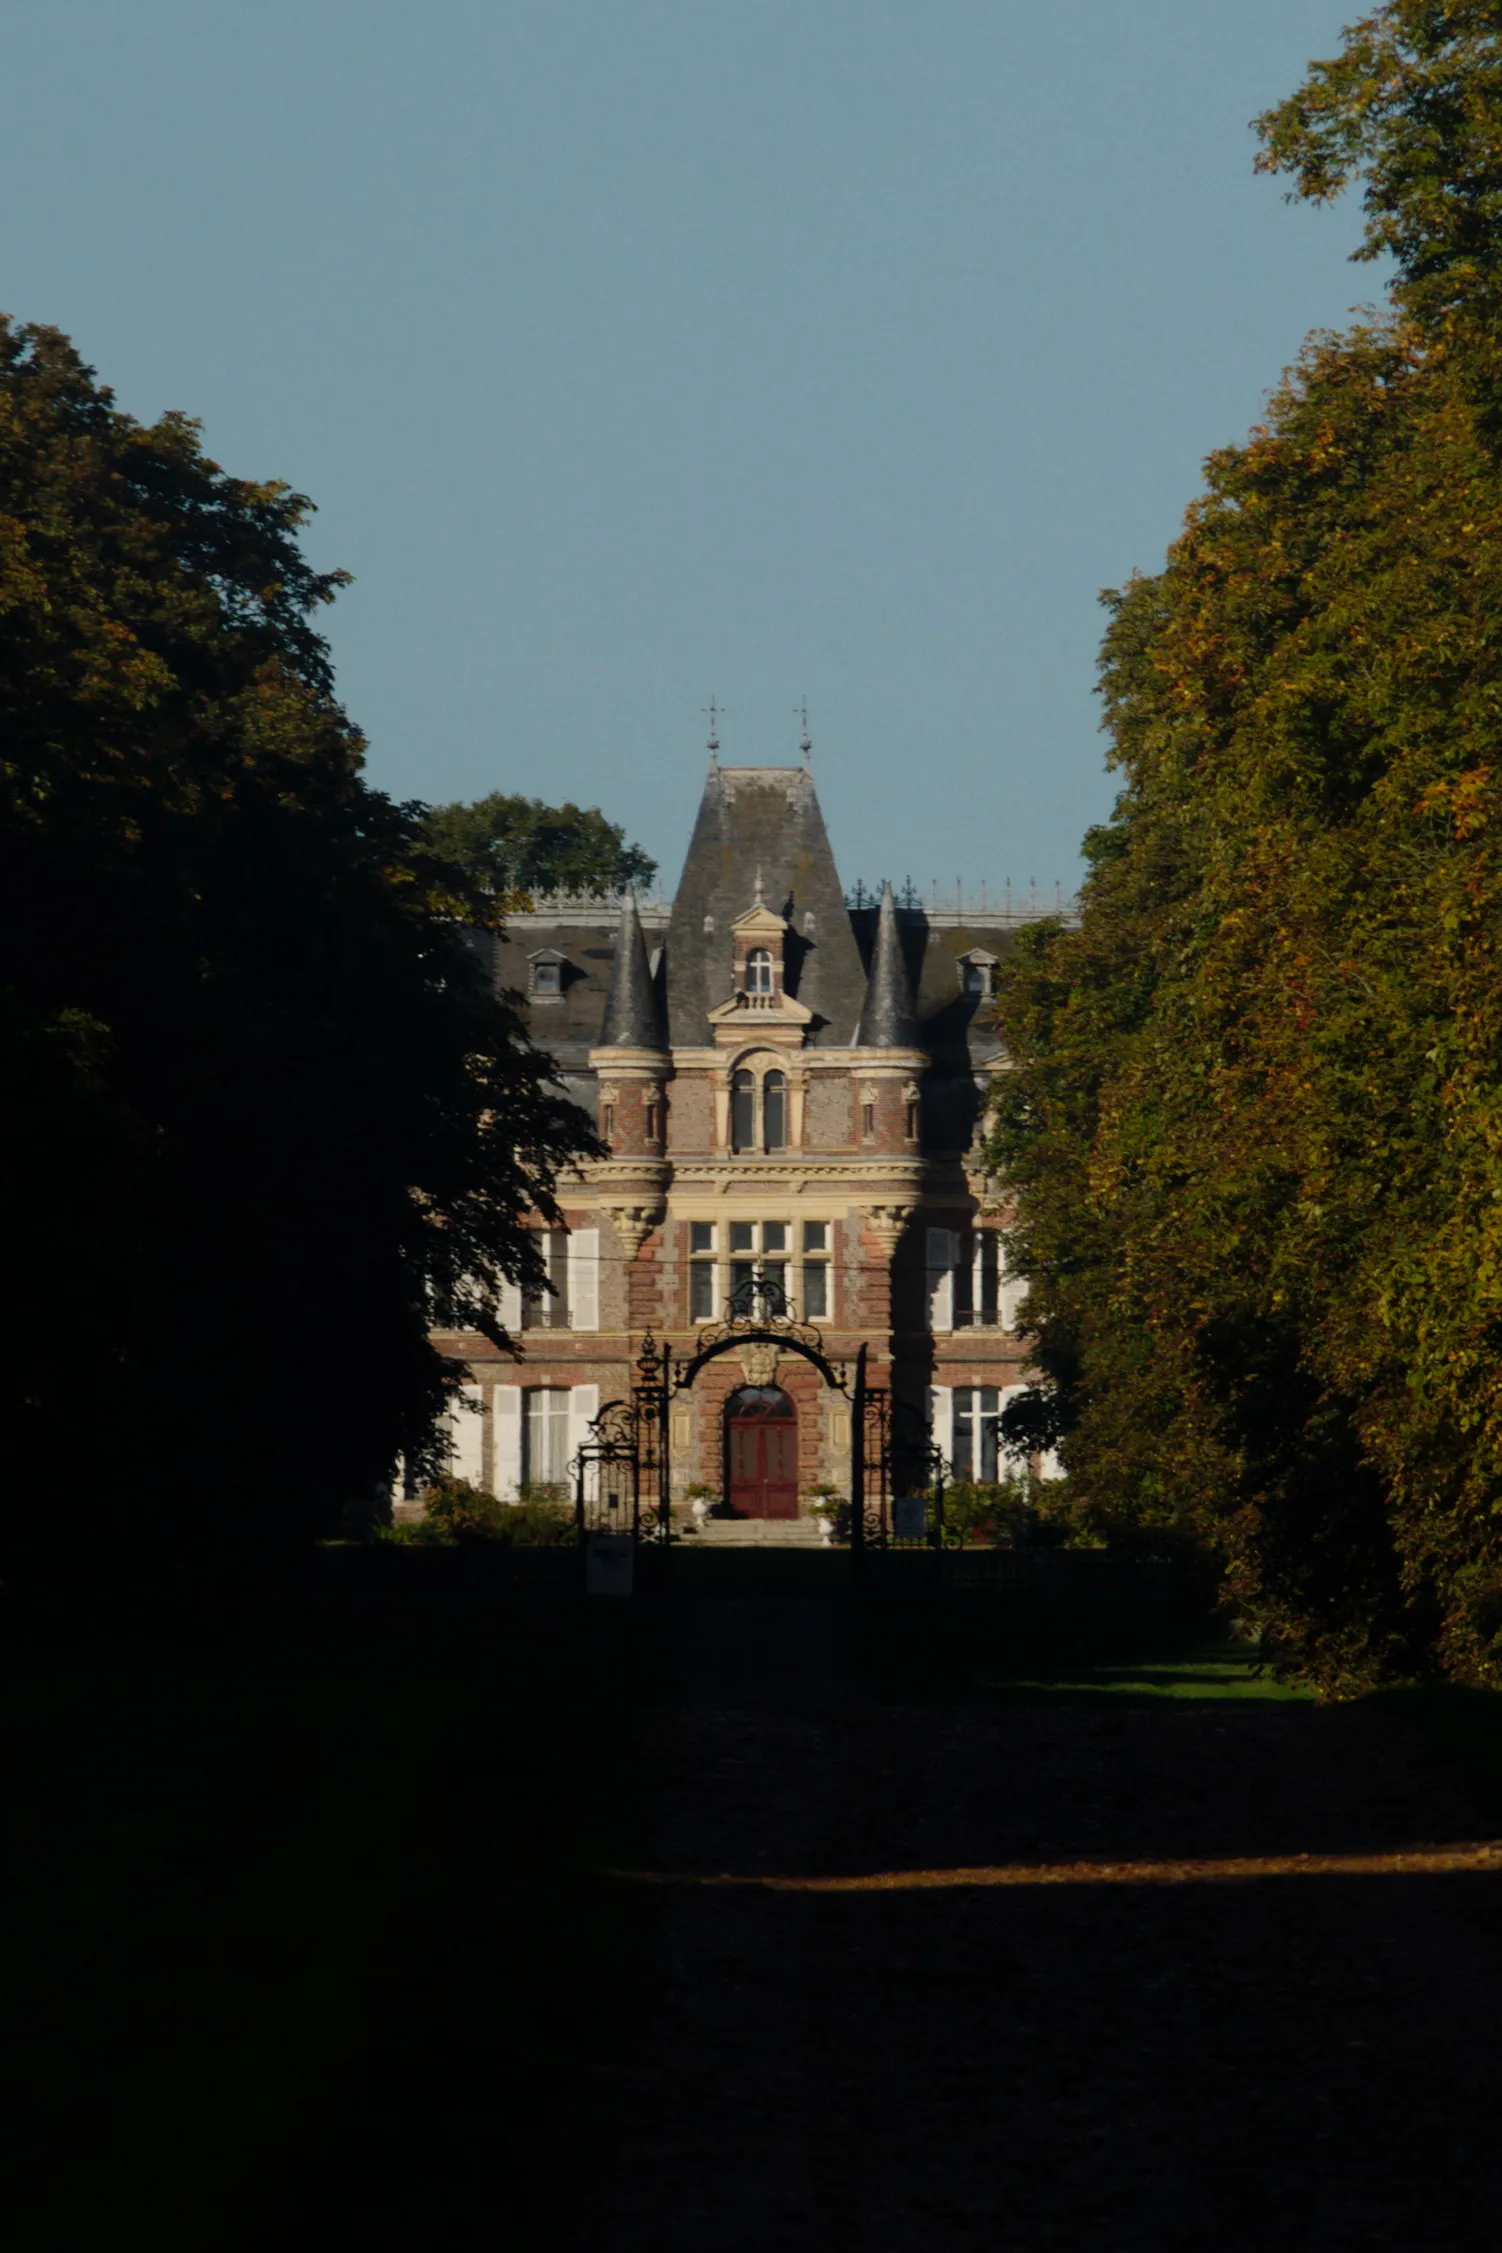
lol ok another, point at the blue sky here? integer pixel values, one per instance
(636, 350)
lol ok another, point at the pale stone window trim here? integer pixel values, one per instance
(787, 1097)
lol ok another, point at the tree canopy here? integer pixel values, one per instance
(513, 847)
(1255, 1117)
(259, 1099)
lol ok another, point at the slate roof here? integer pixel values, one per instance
(765, 818)
(631, 1017)
(887, 1019)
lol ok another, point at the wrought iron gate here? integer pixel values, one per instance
(905, 1477)
(623, 1473)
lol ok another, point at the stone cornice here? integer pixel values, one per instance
(742, 1022)
(628, 1177)
(891, 1063)
(866, 1176)
(631, 1063)
(841, 1060)
(930, 1182)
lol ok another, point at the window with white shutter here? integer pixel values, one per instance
(583, 1407)
(466, 1434)
(584, 1279)
(941, 1419)
(1015, 1459)
(545, 1448)
(942, 1252)
(1013, 1291)
(977, 1280)
(506, 1426)
(549, 1309)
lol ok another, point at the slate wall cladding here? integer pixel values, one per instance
(881, 1196)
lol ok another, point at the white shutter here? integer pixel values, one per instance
(584, 1283)
(942, 1253)
(466, 1422)
(1049, 1466)
(1009, 1392)
(1012, 1290)
(583, 1407)
(941, 1419)
(511, 1307)
(506, 1426)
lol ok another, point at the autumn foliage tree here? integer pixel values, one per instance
(1255, 1120)
(257, 1100)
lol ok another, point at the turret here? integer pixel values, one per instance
(631, 1060)
(887, 1019)
(632, 1019)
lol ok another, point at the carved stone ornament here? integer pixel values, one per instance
(886, 1223)
(759, 1364)
(633, 1225)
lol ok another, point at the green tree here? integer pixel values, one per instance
(1255, 1120)
(511, 848)
(258, 1100)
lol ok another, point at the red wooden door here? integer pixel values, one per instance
(763, 1433)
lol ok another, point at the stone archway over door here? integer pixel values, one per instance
(761, 1451)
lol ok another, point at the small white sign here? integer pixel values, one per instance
(610, 1564)
(910, 1516)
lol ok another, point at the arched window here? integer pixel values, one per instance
(758, 971)
(774, 1110)
(743, 1112)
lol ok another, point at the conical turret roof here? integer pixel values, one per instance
(632, 1019)
(887, 1020)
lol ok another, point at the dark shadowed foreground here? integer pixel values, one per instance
(1165, 2060)
(747, 1920)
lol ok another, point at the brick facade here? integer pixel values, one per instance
(760, 1058)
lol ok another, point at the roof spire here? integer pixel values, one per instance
(716, 713)
(887, 1020)
(805, 740)
(631, 1016)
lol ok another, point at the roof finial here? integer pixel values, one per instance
(716, 713)
(805, 740)
(759, 901)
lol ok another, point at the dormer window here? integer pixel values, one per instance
(758, 971)
(977, 975)
(546, 969)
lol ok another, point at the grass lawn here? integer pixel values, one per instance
(1146, 1642)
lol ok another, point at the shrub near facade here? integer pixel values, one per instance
(458, 1513)
(1018, 1512)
